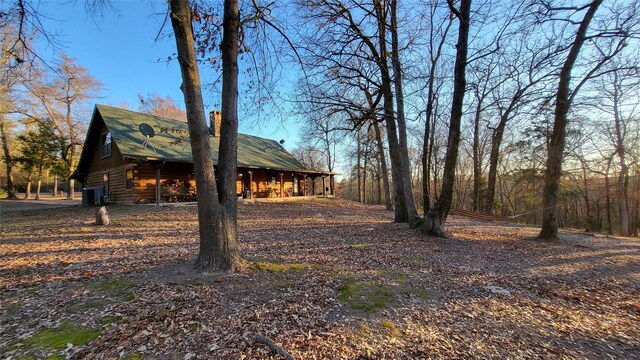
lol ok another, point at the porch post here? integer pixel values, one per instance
(157, 185)
(250, 184)
(304, 179)
(324, 186)
(313, 186)
(331, 185)
(281, 185)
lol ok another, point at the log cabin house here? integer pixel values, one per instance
(139, 158)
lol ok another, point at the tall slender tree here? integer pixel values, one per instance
(434, 221)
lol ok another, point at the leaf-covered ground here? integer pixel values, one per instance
(327, 279)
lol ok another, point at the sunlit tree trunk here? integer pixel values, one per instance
(556, 146)
(27, 195)
(217, 216)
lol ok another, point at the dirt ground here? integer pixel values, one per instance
(326, 278)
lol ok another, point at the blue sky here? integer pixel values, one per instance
(119, 49)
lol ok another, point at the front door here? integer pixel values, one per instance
(296, 183)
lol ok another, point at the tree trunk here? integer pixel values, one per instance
(623, 175)
(55, 185)
(383, 164)
(556, 147)
(39, 183)
(379, 181)
(27, 196)
(228, 151)
(364, 175)
(477, 168)
(358, 168)
(400, 205)
(494, 157)
(435, 220)
(402, 127)
(218, 234)
(608, 195)
(11, 190)
(426, 176)
(70, 189)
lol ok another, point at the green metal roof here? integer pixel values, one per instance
(168, 140)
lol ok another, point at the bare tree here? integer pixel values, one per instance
(217, 203)
(157, 105)
(58, 98)
(613, 33)
(434, 220)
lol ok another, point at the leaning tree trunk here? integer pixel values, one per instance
(218, 237)
(494, 157)
(556, 146)
(434, 221)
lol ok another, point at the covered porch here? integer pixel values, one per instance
(269, 184)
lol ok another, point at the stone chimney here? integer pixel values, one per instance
(215, 120)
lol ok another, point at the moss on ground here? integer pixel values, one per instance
(370, 296)
(81, 306)
(365, 295)
(115, 288)
(358, 245)
(108, 319)
(54, 339)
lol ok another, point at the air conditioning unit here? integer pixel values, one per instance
(92, 195)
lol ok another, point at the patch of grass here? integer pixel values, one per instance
(398, 277)
(135, 356)
(365, 295)
(58, 338)
(80, 306)
(109, 319)
(276, 267)
(11, 311)
(363, 330)
(55, 357)
(390, 328)
(370, 296)
(193, 326)
(357, 245)
(116, 288)
(419, 292)
(283, 284)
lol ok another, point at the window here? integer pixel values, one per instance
(105, 183)
(129, 181)
(106, 145)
